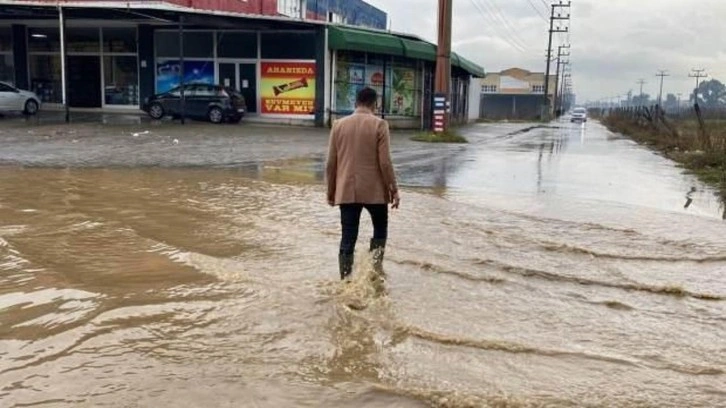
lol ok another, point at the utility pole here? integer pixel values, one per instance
(554, 16)
(557, 76)
(641, 82)
(698, 74)
(662, 74)
(443, 69)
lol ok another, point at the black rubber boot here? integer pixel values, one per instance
(345, 262)
(378, 249)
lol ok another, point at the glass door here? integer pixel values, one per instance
(228, 74)
(241, 76)
(248, 85)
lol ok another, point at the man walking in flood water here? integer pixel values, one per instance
(360, 174)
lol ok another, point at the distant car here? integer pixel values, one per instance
(13, 99)
(579, 115)
(214, 103)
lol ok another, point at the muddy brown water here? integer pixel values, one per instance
(531, 272)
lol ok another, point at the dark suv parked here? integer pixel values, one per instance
(214, 103)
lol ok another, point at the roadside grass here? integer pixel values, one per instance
(708, 163)
(449, 136)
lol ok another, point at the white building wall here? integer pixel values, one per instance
(474, 99)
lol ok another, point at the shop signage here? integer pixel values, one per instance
(288, 88)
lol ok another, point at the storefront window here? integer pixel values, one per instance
(43, 40)
(404, 93)
(7, 73)
(168, 73)
(236, 45)
(300, 45)
(6, 39)
(45, 77)
(120, 80)
(119, 40)
(197, 44)
(399, 82)
(83, 39)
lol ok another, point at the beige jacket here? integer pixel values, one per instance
(359, 169)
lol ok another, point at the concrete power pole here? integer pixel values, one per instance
(442, 91)
(556, 98)
(641, 82)
(698, 74)
(554, 16)
(662, 74)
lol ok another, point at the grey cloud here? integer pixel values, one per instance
(614, 43)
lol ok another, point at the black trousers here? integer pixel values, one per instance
(350, 222)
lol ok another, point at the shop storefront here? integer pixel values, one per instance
(275, 71)
(289, 71)
(400, 68)
(102, 66)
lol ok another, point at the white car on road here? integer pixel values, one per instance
(579, 115)
(13, 99)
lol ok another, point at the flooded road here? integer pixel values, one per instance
(555, 266)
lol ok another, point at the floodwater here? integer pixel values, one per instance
(557, 266)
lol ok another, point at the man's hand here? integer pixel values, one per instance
(331, 202)
(395, 200)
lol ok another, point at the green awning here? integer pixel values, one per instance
(356, 39)
(419, 50)
(468, 66)
(364, 41)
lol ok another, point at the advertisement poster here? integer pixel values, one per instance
(350, 78)
(403, 86)
(288, 88)
(375, 80)
(167, 73)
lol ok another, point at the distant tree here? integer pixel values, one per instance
(711, 94)
(643, 100)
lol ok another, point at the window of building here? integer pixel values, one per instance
(45, 77)
(489, 88)
(290, 8)
(538, 88)
(121, 80)
(7, 71)
(43, 39)
(7, 68)
(232, 44)
(197, 44)
(83, 39)
(289, 45)
(119, 40)
(397, 81)
(6, 39)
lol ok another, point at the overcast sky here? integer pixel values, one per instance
(614, 42)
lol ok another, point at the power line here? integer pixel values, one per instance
(537, 10)
(497, 13)
(490, 18)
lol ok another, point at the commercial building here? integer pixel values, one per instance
(514, 93)
(297, 70)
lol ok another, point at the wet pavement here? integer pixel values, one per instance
(153, 265)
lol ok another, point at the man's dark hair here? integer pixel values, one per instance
(366, 97)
